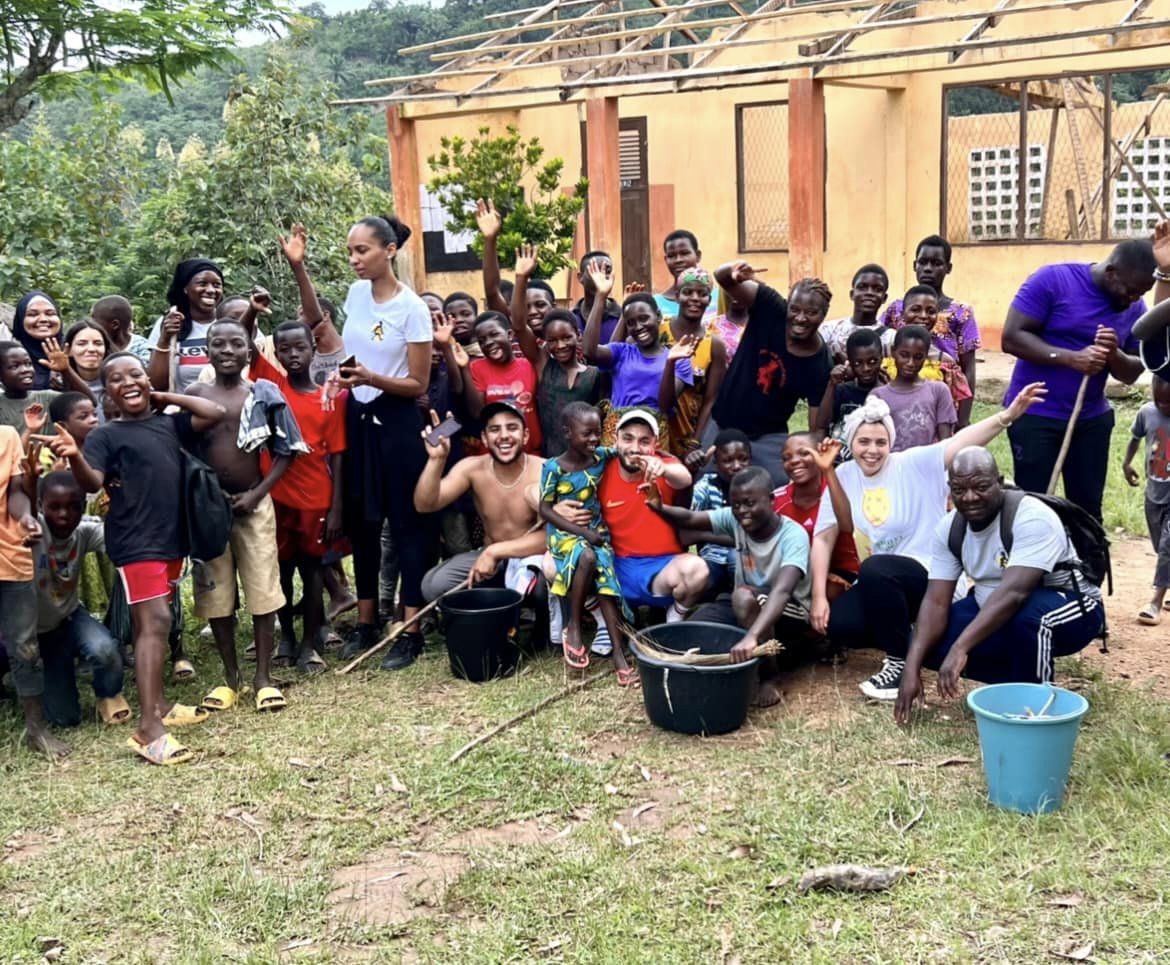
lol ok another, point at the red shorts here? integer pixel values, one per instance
(150, 579)
(298, 533)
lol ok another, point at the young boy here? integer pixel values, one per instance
(19, 529)
(957, 334)
(771, 595)
(1152, 424)
(307, 497)
(65, 629)
(138, 459)
(257, 416)
(500, 375)
(114, 315)
(16, 378)
(850, 384)
(596, 261)
(733, 452)
(868, 293)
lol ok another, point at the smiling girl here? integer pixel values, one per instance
(179, 338)
(85, 344)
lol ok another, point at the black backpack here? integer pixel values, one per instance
(207, 514)
(1087, 534)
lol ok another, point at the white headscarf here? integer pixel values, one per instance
(874, 411)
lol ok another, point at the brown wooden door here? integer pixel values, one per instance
(635, 199)
(632, 151)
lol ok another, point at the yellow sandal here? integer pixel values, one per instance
(269, 698)
(113, 710)
(221, 698)
(184, 715)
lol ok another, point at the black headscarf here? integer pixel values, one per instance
(34, 346)
(177, 294)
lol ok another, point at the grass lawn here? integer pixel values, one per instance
(513, 854)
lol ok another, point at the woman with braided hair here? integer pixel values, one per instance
(781, 359)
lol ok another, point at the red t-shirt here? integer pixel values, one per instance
(306, 484)
(634, 528)
(844, 556)
(515, 383)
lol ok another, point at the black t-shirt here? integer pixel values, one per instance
(847, 397)
(765, 381)
(142, 463)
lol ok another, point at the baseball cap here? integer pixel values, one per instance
(639, 415)
(502, 405)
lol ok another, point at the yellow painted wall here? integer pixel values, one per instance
(884, 144)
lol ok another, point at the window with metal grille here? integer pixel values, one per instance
(993, 198)
(1134, 197)
(761, 151)
(630, 158)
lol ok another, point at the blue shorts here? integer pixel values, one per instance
(636, 574)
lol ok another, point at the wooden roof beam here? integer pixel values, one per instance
(1046, 46)
(640, 43)
(980, 29)
(768, 7)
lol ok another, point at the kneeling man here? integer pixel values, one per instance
(499, 482)
(1027, 606)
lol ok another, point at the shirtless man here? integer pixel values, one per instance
(499, 482)
(252, 550)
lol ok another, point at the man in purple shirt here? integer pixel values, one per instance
(1069, 321)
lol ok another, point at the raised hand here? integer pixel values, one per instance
(840, 374)
(526, 261)
(444, 331)
(441, 448)
(62, 445)
(826, 453)
(601, 274)
(741, 271)
(32, 458)
(32, 529)
(696, 459)
(1029, 395)
(462, 359)
(295, 245)
(487, 218)
(55, 356)
(1162, 244)
(260, 300)
(35, 416)
(684, 348)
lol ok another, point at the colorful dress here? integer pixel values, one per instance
(955, 332)
(684, 420)
(727, 330)
(557, 484)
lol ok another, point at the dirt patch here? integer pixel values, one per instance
(659, 808)
(534, 831)
(395, 886)
(1136, 653)
(26, 846)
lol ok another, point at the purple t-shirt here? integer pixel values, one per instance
(917, 414)
(1071, 307)
(636, 378)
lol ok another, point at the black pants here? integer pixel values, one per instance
(879, 608)
(1036, 443)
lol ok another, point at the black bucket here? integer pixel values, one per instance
(481, 628)
(695, 700)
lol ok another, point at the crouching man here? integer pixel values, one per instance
(1029, 602)
(499, 483)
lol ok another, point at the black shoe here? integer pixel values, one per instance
(404, 652)
(361, 638)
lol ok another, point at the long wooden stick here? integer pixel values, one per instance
(1068, 433)
(398, 630)
(525, 714)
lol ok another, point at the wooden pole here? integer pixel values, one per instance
(1068, 433)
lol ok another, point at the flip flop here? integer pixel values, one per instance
(285, 652)
(184, 715)
(183, 670)
(311, 663)
(221, 698)
(113, 710)
(331, 640)
(163, 751)
(628, 677)
(575, 657)
(269, 698)
(1148, 616)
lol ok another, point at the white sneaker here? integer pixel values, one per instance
(884, 684)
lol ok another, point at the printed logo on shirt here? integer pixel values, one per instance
(1001, 559)
(771, 366)
(194, 352)
(875, 504)
(1159, 467)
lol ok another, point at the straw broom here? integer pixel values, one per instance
(692, 657)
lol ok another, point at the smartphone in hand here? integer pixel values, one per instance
(445, 429)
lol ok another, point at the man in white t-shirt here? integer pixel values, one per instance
(1027, 605)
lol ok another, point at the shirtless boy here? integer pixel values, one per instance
(252, 550)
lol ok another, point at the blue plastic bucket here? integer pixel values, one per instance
(1027, 759)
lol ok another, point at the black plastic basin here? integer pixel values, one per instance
(695, 700)
(482, 626)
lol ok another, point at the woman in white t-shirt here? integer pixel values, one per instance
(388, 332)
(179, 339)
(896, 500)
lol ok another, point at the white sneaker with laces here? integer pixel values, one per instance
(884, 684)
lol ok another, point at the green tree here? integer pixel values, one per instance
(50, 47)
(497, 168)
(282, 159)
(70, 206)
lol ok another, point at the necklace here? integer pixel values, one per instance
(515, 482)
